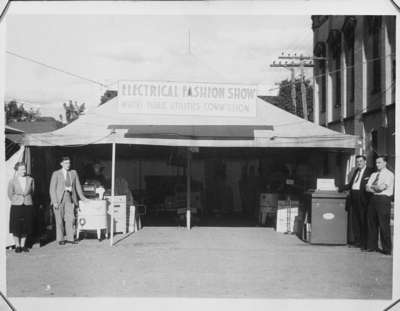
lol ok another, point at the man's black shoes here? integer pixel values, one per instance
(71, 242)
(67, 242)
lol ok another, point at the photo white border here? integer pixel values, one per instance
(288, 7)
(3, 280)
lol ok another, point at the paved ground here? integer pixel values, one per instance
(205, 262)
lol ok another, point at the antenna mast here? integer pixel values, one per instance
(189, 51)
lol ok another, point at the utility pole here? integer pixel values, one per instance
(301, 62)
(293, 85)
(303, 92)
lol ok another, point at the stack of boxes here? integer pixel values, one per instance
(286, 214)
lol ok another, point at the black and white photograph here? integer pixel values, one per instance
(207, 156)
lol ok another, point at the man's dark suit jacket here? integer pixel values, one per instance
(364, 195)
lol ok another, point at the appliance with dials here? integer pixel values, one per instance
(120, 213)
(92, 215)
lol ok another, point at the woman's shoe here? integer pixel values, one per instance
(18, 249)
(25, 249)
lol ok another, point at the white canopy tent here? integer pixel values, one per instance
(271, 127)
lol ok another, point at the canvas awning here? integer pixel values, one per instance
(285, 130)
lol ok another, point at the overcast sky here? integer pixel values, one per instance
(110, 48)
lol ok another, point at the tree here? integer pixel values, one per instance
(108, 95)
(15, 112)
(284, 98)
(73, 111)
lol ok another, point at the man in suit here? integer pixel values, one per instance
(359, 198)
(65, 188)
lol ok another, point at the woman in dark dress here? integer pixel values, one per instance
(20, 190)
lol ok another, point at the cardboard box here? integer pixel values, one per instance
(284, 216)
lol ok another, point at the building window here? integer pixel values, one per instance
(320, 54)
(318, 20)
(391, 31)
(393, 71)
(376, 63)
(338, 79)
(349, 35)
(350, 73)
(322, 66)
(335, 48)
(374, 26)
(374, 144)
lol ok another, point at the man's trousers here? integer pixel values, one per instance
(65, 218)
(359, 219)
(379, 218)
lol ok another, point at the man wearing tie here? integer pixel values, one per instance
(64, 191)
(359, 202)
(381, 186)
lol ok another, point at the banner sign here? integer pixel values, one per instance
(179, 98)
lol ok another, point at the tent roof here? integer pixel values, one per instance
(286, 130)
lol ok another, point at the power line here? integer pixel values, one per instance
(5, 9)
(333, 71)
(355, 114)
(55, 68)
(353, 66)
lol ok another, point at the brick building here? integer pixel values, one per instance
(354, 72)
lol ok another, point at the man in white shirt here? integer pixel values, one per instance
(380, 185)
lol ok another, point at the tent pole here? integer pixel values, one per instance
(188, 190)
(112, 193)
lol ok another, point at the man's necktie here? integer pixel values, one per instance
(68, 180)
(357, 176)
(376, 179)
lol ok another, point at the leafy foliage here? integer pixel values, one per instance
(284, 98)
(108, 95)
(15, 112)
(73, 111)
